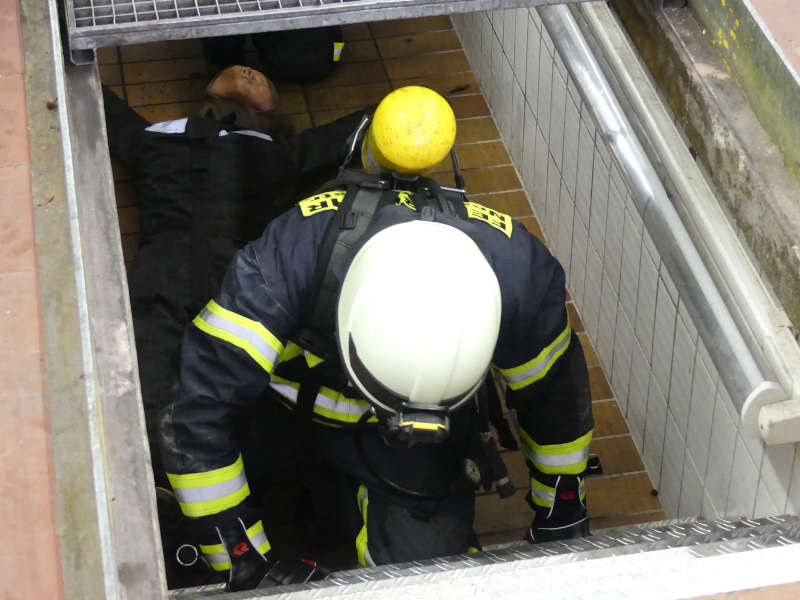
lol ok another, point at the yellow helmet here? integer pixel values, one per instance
(412, 130)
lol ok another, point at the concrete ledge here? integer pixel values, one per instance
(741, 160)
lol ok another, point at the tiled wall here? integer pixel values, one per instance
(677, 409)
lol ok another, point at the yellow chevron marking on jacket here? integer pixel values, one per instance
(247, 334)
(568, 458)
(321, 202)
(210, 492)
(496, 219)
(536, 368)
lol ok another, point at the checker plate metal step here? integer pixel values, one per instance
(702, 538)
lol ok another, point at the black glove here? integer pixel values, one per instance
(234, 541)
(566, 518)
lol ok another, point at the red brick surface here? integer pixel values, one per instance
(27, 517)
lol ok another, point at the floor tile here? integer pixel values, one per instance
(353, 97)
(426, 65)
(447, 85)
(620, 495)
(359, 51)
(588, 350)
(599, 384)
(608, 419)
(184, 90)
(352, 74)
(381, 29)
(574, 318)
(471, 105)
(476, 130)
(532, 225)
(156, 113)
(161, 50)
(356, 31)
(491, 179)
(618, 454)
(514, 204)
(166, 70)
(418, 43)
(110, 74)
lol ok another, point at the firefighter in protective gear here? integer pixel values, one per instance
(424, 290)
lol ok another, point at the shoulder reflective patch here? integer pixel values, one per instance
(405, 198)
(488, 215)
(320, 202)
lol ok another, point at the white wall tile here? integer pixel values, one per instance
(672, 467)
(577, 272)
(793, 504)
(604, 341)
(744, 482)
(776, 472)
(680, 387)
(629, 276)
(529, 152)
(583, 189)
(521, 46)
(591, 294)
(691, 502)
(668, 282)
(701, 413)
(621, 368)
(558, 99)
(765, 505)
(720, 456)
(569, 167)
(709, 510)
(550, 223)
(540, 175)
(663, 337)
(532, 66)
(547, 41)
(517, 127)
(545, 90)
(509, 31)
(615, 223)
(655, 429)
(638, 391)
(565, 227)
(537, 20)
(599, 209)
(646, 303)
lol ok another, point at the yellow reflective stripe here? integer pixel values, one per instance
(210, 492)
(251, 336)
(292, 351)
(495, 218)
(568, 458)
(422, 425)
(217, 556)
(473, 550)
(329, 403)
(542, 495)
(258, 538)
(362, 551)
(536, 368)
(337, 51)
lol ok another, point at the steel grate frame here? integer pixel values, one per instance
(98, 23)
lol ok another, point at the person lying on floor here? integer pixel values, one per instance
(205, 186)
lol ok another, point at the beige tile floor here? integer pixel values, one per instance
(166, 80)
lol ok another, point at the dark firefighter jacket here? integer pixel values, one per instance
(240, 347)
(203, 190)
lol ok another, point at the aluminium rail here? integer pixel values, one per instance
(94, 24)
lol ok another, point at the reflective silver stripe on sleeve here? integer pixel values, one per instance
(217, 558)
(545, 498)
(541, 365)
(206, 493)
(244, 333)
(557, 460)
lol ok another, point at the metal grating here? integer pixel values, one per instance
(97, 23)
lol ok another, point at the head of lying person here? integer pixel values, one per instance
(418, 317)
(242, 97)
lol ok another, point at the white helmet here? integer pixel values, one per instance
(417, 321)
